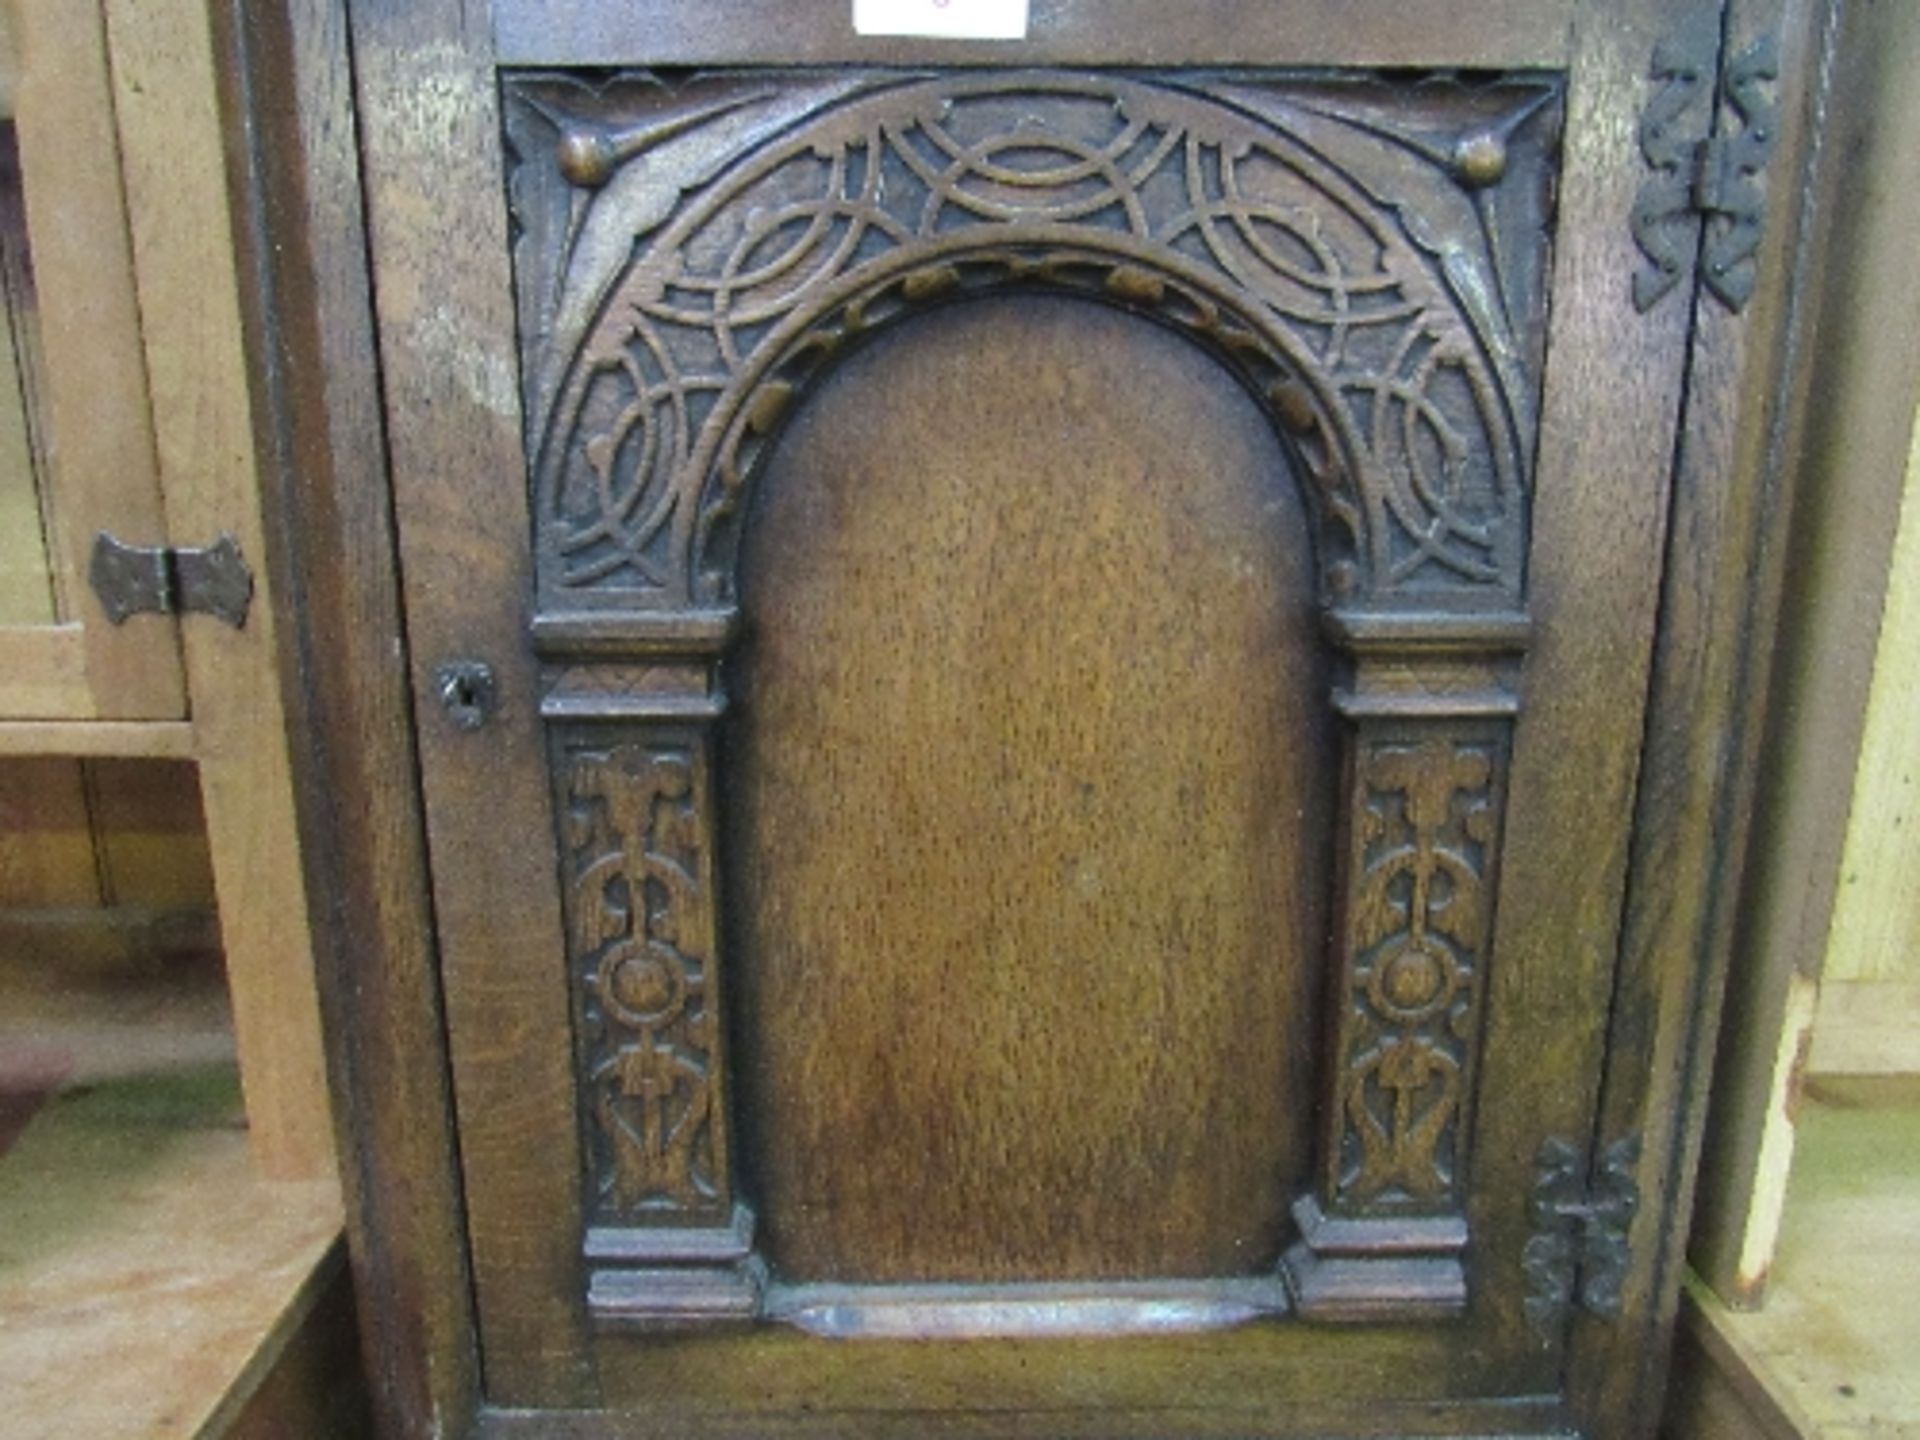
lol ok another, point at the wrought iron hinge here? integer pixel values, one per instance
(166, 580)
(1707, 145)
(1578, 1252)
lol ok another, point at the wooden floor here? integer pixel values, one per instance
(149, 1282)
(151, 1286)
(1836, 1350)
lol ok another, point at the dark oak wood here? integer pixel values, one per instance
(309, 336)
(1733, 499)
(1505, 33)
(771, 575)
(982, 954)
(316, 1386)
(1607, 435)
(1381, 1420)
(426, 105)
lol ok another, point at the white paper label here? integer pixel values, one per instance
(942, 19)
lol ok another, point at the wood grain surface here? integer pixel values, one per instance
(1028, 811)
(1115, 32)
(1875, 939)
(176, 184)
(103, 465)
(154, 739)
(307, 325)
(1829, 1355)
(1733, 487)
(1797, 917)
(444, 309)
(46, 835)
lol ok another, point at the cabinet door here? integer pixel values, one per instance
(1030, 676)
(76, 438)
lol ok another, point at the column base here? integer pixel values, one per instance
(1375, 1269)
(675, 1279)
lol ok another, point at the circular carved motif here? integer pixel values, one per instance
(642, 985)
(1412, 979)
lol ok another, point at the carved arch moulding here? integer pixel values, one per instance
(689, 258)
(1366, 255)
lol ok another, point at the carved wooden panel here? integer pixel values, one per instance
(1368, 257)
(1364, 259)
(636, 809)
(640, 897)
(1420, 891)
(622, 315)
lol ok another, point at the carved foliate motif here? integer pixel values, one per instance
(1368, 258)
(641, 922)
(1417, 925)
(1373, 280)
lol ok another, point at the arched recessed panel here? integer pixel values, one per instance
(1025, 795)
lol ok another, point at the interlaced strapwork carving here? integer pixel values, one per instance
(1397, 396)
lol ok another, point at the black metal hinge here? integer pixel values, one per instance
(166, 580)
(1578, 1252)
(1707, 145)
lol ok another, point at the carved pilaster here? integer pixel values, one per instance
(668, 1243)
(1429, 710)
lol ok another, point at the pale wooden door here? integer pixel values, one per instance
(76, 436)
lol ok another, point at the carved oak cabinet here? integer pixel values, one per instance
(1070, 696)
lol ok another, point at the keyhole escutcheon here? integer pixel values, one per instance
(466, 691)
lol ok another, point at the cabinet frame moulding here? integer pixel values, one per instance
(632, 708)
(1850, 440)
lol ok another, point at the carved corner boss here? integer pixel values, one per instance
(690, 260)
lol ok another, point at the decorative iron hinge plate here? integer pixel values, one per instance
(1578, 1252)
(1707, 147)
(165, 580)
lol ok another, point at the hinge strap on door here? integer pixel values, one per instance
(1578, 1251)
(166, 580)
(1701, 170)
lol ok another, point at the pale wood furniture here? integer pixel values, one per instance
(147, 434)
(1869, 1015)
(1798, 1321)
(1828, 1356)
(103, 861)
(154, 1283)
(97, 446)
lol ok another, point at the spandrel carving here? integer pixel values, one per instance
(1369, 257)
